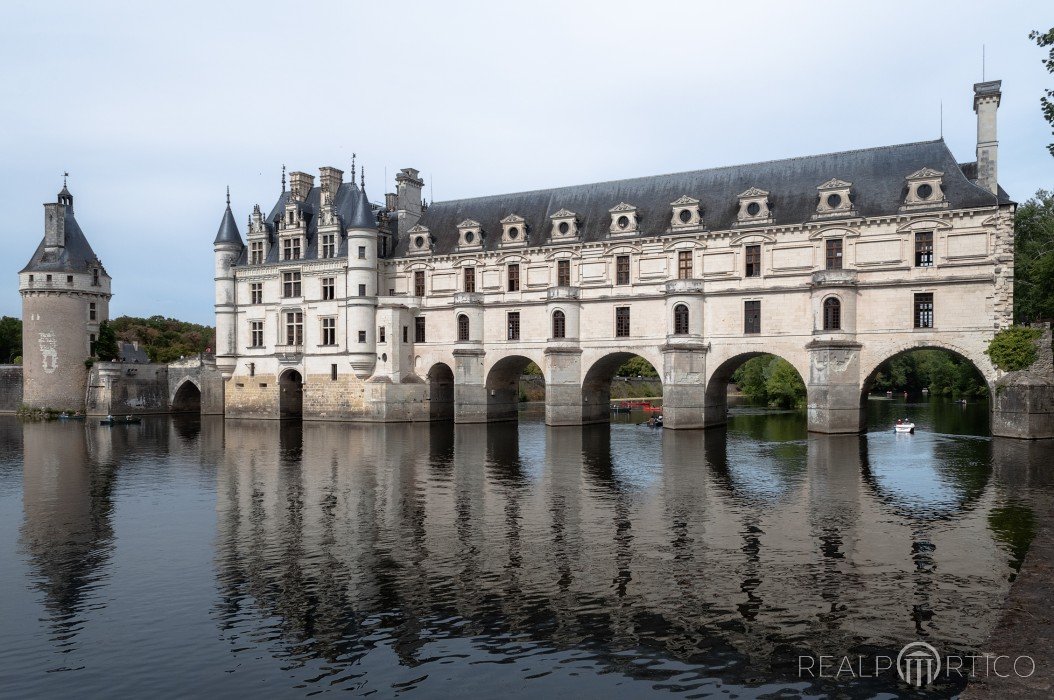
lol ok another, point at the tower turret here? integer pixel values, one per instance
(986, 98)
(65, 296)
(227, 246)
(362, 284)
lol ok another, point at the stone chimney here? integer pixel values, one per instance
(54, 225)
(300, 185)
(408, 188)
(985, 103)
(391, 201)
(330, 179)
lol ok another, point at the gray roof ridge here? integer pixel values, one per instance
(690, 172)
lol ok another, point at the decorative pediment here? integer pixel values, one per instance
(624, 219)
(467, 223)
(835, 184)
(684, 200)
(513, 231)
(685, 213)
(420, 239)
(754, 192)
(622, 207)
(513, 219)
(470, 235)
(564, 214)
(565, 225)
(418, 229)
(925, 173)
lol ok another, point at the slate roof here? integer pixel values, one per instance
(228, 232)
(353, 210)
(130, 353)
(877, 176)
(76, 256)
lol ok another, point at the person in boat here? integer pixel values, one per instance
(899, 421)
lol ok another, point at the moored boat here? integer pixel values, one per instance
(126, 420)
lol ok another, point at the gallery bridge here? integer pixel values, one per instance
(475, 381)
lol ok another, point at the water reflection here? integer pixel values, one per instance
(397, 557)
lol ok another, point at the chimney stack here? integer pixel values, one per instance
(54, 225)
(330, 179)
(300, 185)
(985, 103)
(408, 186)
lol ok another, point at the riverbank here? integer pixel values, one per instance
(532, 388)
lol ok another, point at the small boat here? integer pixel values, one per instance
(70, 416)
(648, 408)
(126, 420)
(904, 427)
(618, 408)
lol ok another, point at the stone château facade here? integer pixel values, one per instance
(335, 308)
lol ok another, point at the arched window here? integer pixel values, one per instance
(559, 324)
(462, 327)
(832, 314)
(680, 320)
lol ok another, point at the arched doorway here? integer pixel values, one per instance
(634, 376)
(440, 392)
(763, 379)
(503, 387)
(187, 398)
(937, 387)
(290, 394)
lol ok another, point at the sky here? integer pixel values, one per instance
(155, 108)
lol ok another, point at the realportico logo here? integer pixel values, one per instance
(918, 664)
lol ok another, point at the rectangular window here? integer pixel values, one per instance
(513, 325)
(622, 269)
(256, 292)
(753, 258)
(329, 288)
(291, 249)
(333, 372)
(69, 279)
(329, 331)
(380, 334)
(406, 334)
(419, 329)
(514, 277)
(256, 334)
(563, 273)
(752, 316)
(470, 279)
(95, 277)
(621, 321)
(362, 252)
(91, 311)
(328, 248)
(256, 253)
(834, 253)
(290, 284)
(47, 278)
(684, 265)
(419, 283)
(362, 290)
(924, 310)
(362, 336)
(294, 328)
(924, 249)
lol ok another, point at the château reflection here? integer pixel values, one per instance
(709, 547)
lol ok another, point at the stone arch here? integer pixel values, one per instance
(440, 392)
(502, 386)
(187, 397)
(596, 383)
(873, 358)
(715, 403)
(290, 394)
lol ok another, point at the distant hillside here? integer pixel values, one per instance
(164, 339)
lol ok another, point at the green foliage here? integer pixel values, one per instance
(771, 380)
(1034, 259)
(164, 339)
(10, 339)
(532, 370)
(941, 372)
(637, 366)
(1014, 348)
(106, 344)
(1045, 40)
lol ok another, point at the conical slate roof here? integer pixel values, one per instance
(228, 232)
(363, 216)
(75, 256)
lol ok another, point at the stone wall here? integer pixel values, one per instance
(116, 388)
(10, 388)
(1023, 402)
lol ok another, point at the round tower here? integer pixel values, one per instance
(227, 247)
(362, 286)
(65, 296)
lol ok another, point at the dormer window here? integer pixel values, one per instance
(834, 199)
(420, 239)
(624, 219)
(256, 253)
(470, 234)
(925, 190)
(328, 246)
(754, 207)
(685, 213)
(513, 231)
(565, 226)
(291, 248)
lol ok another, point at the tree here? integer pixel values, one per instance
(1034, 259)
(784, 385)
(637, 366)
(10, 339)
(1045, 40)
(106, 344)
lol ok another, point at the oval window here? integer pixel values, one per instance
(419, 241)
(564, 227)
(514, 232)
(469, 237)
(623, 222)
(753, 208)
(685, 216)
(924, 191)
(834, 201)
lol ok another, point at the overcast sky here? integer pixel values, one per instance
(154, 108)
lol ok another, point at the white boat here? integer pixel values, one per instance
(904, 427)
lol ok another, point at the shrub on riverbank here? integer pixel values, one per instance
(771, 380)
(1014, 348)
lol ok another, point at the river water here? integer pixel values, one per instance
(197, 556)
